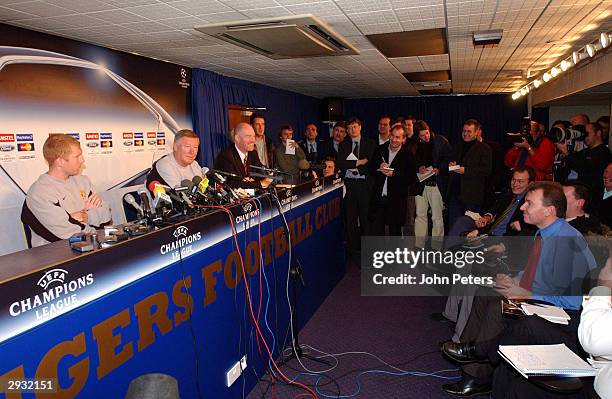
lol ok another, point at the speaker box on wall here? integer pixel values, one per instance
(332, 109)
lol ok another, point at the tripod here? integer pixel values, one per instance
(296, 274)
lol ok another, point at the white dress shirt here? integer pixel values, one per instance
(595, 335)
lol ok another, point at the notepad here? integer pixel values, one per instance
(453, 167)
(546, 360)
(424, 176)
(290, 147)
(473, 215)
(551, 313)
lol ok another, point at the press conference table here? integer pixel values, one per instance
(170, 301)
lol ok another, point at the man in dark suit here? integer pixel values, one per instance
(239, 157)
(472, 164)
(311, 145)
(329, 148)
(263, 144)
(504, 218)
(388, 204)
(354, 153)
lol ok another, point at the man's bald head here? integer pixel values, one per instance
(244, 137)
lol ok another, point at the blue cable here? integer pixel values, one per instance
(263, 271)
(375, 371)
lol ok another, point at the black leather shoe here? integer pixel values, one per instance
(467, 387)
(439, 317)
(462, 353)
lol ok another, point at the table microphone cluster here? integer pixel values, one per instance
(162, 204)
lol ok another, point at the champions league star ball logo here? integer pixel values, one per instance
(52, 276)
(180, 231)
(58, 296)
(182, 244)
(183, 73)
(247, 207)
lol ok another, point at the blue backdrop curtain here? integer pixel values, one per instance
(212, 93)
(445, 114)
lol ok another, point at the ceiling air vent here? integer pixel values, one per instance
(296, 36)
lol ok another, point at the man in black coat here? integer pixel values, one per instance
(312, 146)
(388, 204)
(239, 157)
(471, 165)
(354, 153)
(330, 147)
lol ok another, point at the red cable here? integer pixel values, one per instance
(253, 319)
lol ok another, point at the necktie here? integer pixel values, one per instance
(356, 148)
(532, 264)
(312, 148)
(246, 166)
(504, 214)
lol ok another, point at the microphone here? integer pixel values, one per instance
(129, 198)
(223, 188)
(200, 185)
(221, 172)
(144, 201)
(159, 191)
(186, 185)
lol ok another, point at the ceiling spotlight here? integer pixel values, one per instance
(524, 91)
(547, 77)
(590, 50)
(604, 40)
(576, 57)
(516, 95)
(565, 65)
(537, 83)
(554, 72)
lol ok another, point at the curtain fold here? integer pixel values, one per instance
(212, 93)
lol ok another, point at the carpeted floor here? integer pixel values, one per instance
(396, 329)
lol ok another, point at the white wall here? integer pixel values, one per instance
(566, 112)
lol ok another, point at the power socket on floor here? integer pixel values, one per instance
(235, 371)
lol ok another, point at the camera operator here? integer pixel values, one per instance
(589, 163)
(535, 150)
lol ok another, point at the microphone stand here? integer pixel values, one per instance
(296, 275)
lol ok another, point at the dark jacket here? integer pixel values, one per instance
(587, 224)
(404, 175)
(316, 157)
(228, 160)
(500, 206)
(605, 211)
(590, 165)
(367, 146)
(328, 150)
(441, 156)
(478, 165)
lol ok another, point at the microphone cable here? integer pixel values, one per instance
(250, 305)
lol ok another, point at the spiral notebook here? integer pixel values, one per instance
(546, 360)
